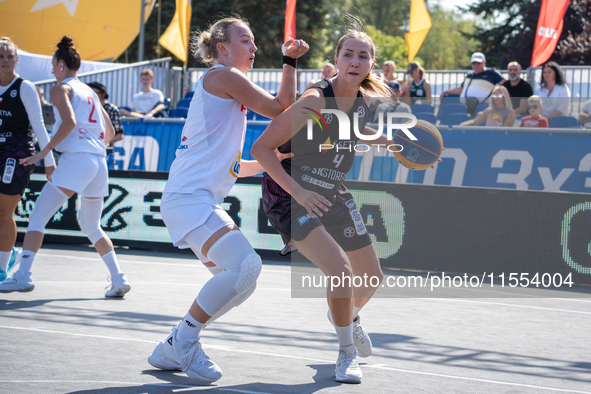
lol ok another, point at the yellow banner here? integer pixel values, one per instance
(420, 23)
(176, 37)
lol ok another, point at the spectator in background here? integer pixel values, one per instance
(112, 110)
(534, 105)
(518, 89)
(149, 102)
(393, 105)
(389, 72)
(499, 112)
(554, 91)
(327, 72)
(418, 88)
(478, 84)
(41, 95)
(585, 114)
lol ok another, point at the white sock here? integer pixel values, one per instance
(26, 261)
(189, 328)
(356, 310)
(4, 259)
(345, 337)
(110, 260)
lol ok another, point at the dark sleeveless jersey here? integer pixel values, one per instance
(323, 171)
(16, 133)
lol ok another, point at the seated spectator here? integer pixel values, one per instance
(112, 110)
(535, 119)
(149, 102)
(554, 91)
(418, 88)
(391, 105)
(499, 112)
(478, 84)
(585, 114)
(327, 72)
(389, 72)
(518, 89)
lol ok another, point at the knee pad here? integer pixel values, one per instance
(90, 218)
(48, 202)
(233, 253)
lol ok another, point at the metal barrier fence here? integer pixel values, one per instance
(123, 82)
(578, 79)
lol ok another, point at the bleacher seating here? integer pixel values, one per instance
(453, 119)
(480, 108)
(431, 118)
(184, 103)
(452, 109)
(422, 108)
(564, 122)
(189, 95)
(179, 112)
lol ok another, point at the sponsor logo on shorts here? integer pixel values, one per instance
(13, 93)
(349, 232)
(303, 219)
(317, 182)
(356, 216)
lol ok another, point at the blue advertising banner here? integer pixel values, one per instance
(519, 160)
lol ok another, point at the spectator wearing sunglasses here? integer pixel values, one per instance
(478, 84)
(535, 119)
(499, 112)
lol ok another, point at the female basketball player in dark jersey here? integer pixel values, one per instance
(20, 115)
(327, 227)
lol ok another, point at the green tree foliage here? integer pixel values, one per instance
(388, 16)
(388, 48)
(510, 32)
(447, 46)
(266, 18)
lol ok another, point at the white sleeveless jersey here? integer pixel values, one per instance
(88, 136)
(207, 160)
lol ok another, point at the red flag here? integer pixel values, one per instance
(290, 20)
(549, 29)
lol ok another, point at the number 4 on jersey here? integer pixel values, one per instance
(338, 159)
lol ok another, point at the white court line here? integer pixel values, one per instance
(514, 305)
(61, 282)
(376, 366)
(133, 384)
(189, 264)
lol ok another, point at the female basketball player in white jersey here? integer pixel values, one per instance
(207, 163)
(322, 220)
(81, 130)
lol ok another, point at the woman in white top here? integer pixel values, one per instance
(554, 91)
(20, 110)
(82, 128)
(208, 161)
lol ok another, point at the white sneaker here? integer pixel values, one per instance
(119, 286)
(194, 362)
(19, 281)
(361, 339)
(347, 369)
(163, 356)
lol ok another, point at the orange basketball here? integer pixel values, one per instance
(422, 153)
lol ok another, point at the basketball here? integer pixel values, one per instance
(422, 153)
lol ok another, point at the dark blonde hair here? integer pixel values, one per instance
(204, 44)
(66, 52)
(371, 85)
(148, 72)
(6, 43)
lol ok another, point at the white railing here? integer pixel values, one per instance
(123, 82)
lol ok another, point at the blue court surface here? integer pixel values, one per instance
(65, 337)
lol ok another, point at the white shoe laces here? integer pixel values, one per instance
(349, 360)
(359, 332)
